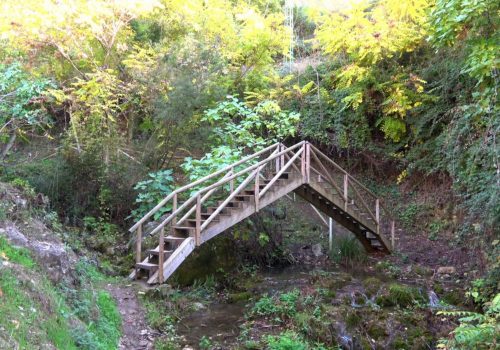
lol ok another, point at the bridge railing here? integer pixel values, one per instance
(354, 194)
(303, 158)
(227, 183)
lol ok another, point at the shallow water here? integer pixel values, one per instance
(220, 321)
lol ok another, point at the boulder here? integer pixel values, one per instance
(446, 270)
(317, 250)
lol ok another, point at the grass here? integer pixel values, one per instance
(33, 313)
(347, 250)
(16, 255)
(29, 321)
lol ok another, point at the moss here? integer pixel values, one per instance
(372, 285)
(400, 295)
(352, 320)
(422, 270)
(376, 331)
(438, 288)
(453, 297)
(399, 343)
(236, 297)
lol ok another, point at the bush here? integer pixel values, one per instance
(286, 341)
(347, 250)
(151, 192)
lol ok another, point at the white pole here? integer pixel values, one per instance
(330, 234)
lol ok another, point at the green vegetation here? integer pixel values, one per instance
(15, 255)
(107, 106)
(34, 312)
(476, 331)
(347, 250)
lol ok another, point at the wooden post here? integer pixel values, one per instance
(282, 157)
(277, 160)
(308, 162)
(256, 190)
(161, 255)
(174, 208)
(303, 163)
(138, 247)
(392, 234)
(346, 188)
(330, 234)
(198, 220)
(231, 183)
(139, 244)
(377, 214)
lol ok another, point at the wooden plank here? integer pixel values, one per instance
(278, 175)
(346, 190)
(308, 162)
(175, 260)
(198, 220)
(161, 256)
(197, 182)
(228, 199)
(138, 246)
(205, 197)
(256, 190)
(326, 173)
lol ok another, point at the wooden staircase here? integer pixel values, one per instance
(232, 194)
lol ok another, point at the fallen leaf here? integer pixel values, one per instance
(3, 256)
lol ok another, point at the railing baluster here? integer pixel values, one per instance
(303, 163)
(256, 190)
(161, 256)
(308, 162)
(377, 214)
(138, 247)
(197, 237)
(282, 157)
(392, 234)
(346, 190)
(174, 208)
(231, 184)
(277, 161)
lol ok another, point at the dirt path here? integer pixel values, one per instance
(137, 335)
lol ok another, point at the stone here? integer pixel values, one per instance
(317, 250)
(14, 235)
(446, 270)
(198, 306)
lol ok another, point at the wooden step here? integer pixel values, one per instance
(156, 252)
(244, 197)
(174, 241)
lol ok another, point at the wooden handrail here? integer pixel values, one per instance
(282, 170)
(222, 182)
(351, 178)
(197, 182)
(230, 198)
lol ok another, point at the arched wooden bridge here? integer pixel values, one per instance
(204, 208)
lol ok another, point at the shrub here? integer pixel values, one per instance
(151, 192)
(476, 331)
(347, 250)
(286, 341)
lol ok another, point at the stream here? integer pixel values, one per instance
(221, 322)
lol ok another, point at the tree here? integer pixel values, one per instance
(21, 105)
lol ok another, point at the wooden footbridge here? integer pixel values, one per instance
(204, 208)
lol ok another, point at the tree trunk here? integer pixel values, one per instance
(8, 146)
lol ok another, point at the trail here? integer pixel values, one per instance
(136, 334)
